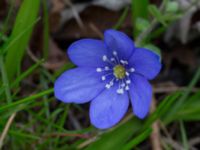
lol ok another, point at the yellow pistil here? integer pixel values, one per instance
(119, 71)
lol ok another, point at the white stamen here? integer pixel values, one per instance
(108, 86)
(128, 81)
(120, 91)
(127, 74)
(112, 59)
(104, 58)
(99, 70)
(127, 88)
(107, 68)
(123, 85)
(103, 78)
(132, 69)
(114, 53)
(111, 83)
(124, 62)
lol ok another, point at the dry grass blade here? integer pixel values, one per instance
(5, 131)
(155, 135)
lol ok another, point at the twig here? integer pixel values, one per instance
(96, 30)
(68, 134)
(155, 135)
(5, 131)
(45, 64)
(174, 144)
(194, 141)
(169, 89)
(76, 14)
(82, 145)
(74, 121)
(168, 139)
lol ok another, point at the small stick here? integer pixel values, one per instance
(155, 135)
(76, 14)
(96, 30)
(169, 89)
(68, 134)
(5, 131)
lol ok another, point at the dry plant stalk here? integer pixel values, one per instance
(155, 135)
(5, 131)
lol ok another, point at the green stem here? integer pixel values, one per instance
(5, 81)
(27, 99)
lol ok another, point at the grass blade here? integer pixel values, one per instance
(25, 100)
(16, 45)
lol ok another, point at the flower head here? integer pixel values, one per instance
(110, 73)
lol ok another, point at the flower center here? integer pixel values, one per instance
(116, 72)
(119, 71)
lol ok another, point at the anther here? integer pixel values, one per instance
(103, 78)
(128, 81)
(124, 62)
(120, 91)
(114, 53)
(127, 88)
(111, 83)
(107, 86)
(107, 68)
(123, 85)
(104, 58)
(112, 59)
(132, 70)
(127, 74)
(99, 70)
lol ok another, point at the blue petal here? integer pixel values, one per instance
(78, 85)
(108, 108)
(119, 42)
(87, 53)
(145, 62)
(141, 95)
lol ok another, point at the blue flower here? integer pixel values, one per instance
(110, 73)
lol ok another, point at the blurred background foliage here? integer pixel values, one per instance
(34, 36)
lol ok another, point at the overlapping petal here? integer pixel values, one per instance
(108, 108)
(87, 53)
(145, 62)
(78, 85)
(119, 42)
(140, 95)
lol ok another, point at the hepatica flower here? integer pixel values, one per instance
(111, 74)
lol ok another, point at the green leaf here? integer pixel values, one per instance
(46, 29)
(139, 10)
(142, 24)
(184, 136)
(17, 43)
(162, 109)
(172, 7)
(190, 109)
(180, 102)
(6, 85)
(25, 100)
(157, 14)
(116, 138)
(121, 19)
(138, 139)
